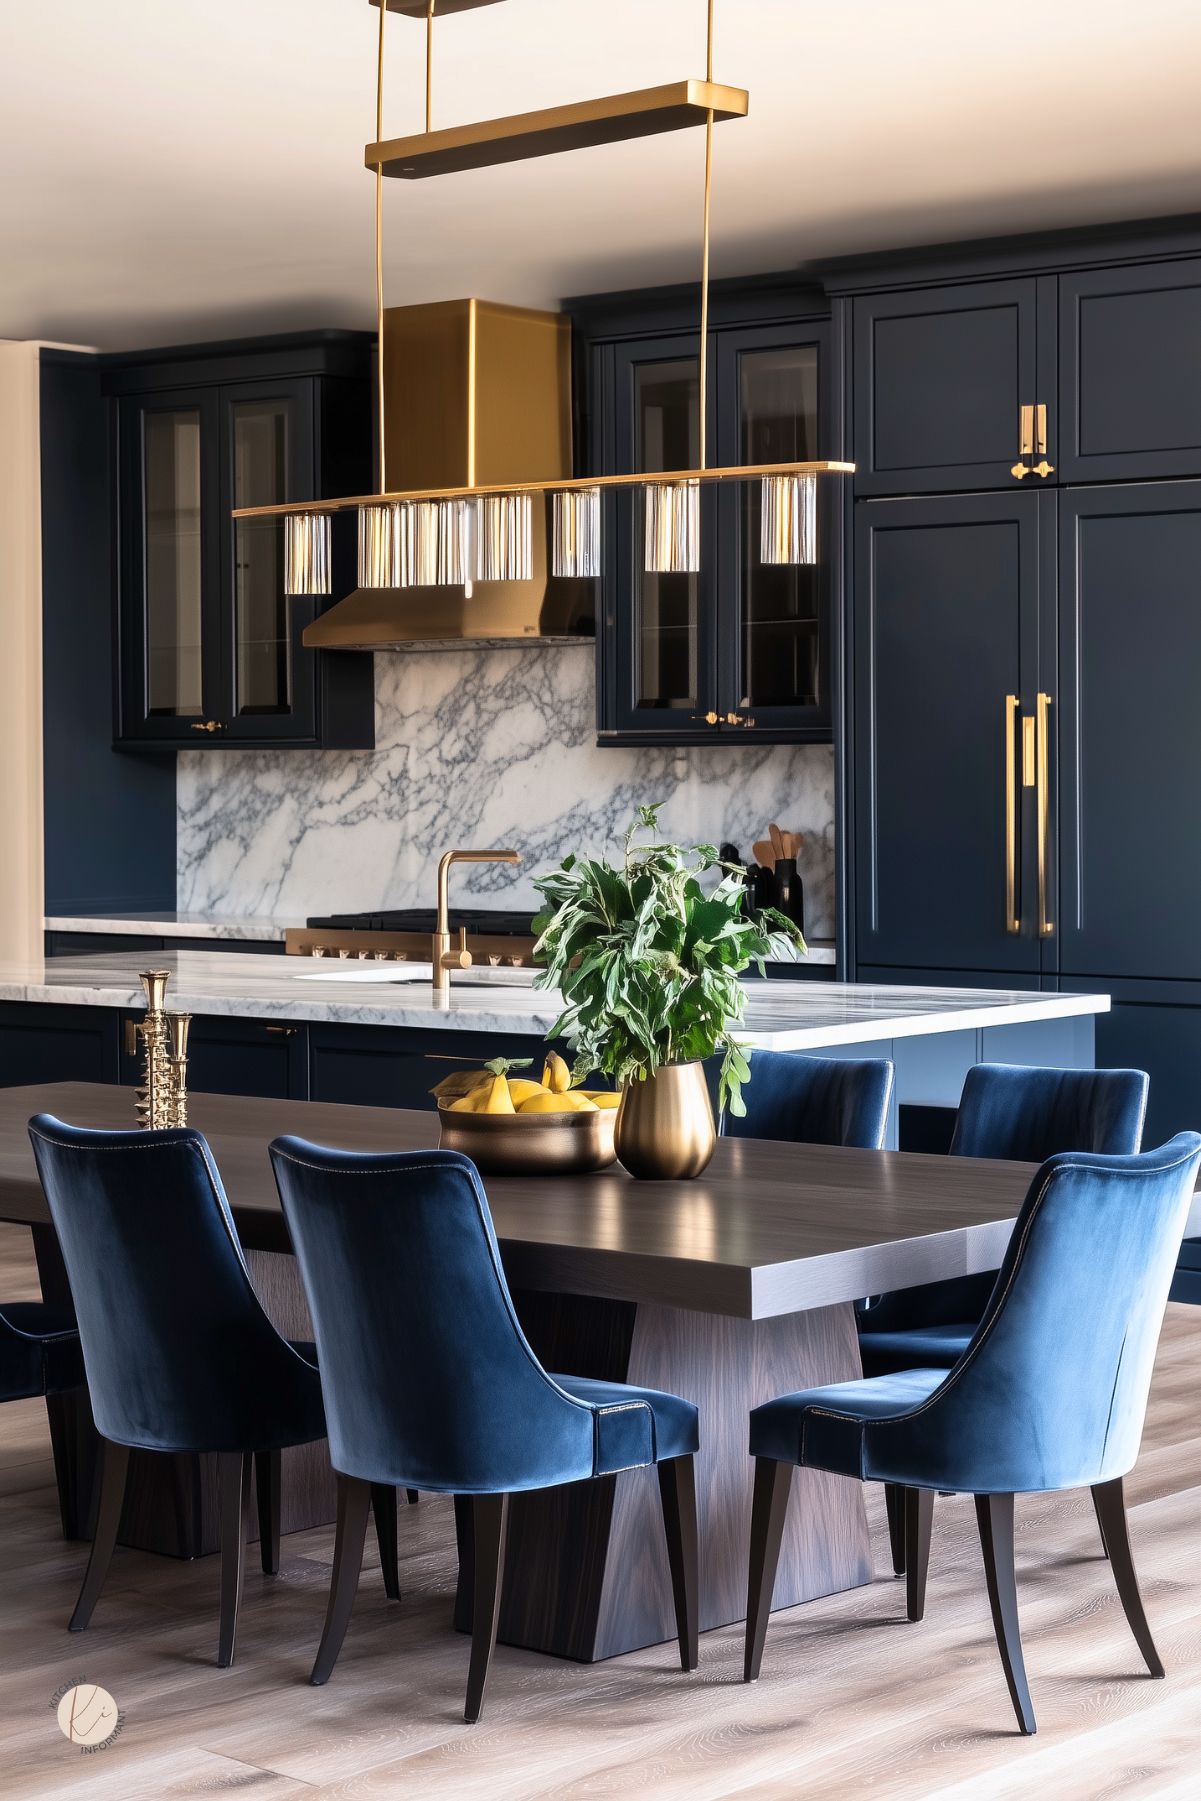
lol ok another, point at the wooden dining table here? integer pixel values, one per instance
(727, 1289)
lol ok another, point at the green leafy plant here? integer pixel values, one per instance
(648, 962)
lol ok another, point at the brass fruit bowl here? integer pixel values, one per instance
(531, 1144)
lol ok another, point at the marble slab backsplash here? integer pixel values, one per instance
(474, 748)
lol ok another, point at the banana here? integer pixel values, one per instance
(555, 1074)
(549, 1102)
(522, 1090)
(498, 1098)
(604, 1098)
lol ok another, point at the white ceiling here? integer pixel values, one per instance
(182, 169)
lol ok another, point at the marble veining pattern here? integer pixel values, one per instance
(474, 748)
(779, 1015)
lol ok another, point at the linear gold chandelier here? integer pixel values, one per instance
(422, 537)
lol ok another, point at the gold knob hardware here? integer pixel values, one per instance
(1044, 469)
(282, 1031)
(209, 725)
(1019, 470)
(734, 719)
(708, 718)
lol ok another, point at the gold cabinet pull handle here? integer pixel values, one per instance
(1043, 787)
(209, 725)
(1040, 429)
(1019, 469)
(708, 718)
(1026, 431)
(1044, 469)
(1013, 922)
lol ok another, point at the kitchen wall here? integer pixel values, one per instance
(474, 748)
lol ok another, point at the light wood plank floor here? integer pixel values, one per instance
(852, 1700)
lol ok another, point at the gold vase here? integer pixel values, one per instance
(665, 1130)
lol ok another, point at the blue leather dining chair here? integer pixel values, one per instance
(39, 1351)
(1021, 1115)
(1050, 1394)
(178, 1352)
(815, 1100)
(431, 1383)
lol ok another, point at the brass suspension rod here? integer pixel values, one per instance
(704, 372)
(379, 254)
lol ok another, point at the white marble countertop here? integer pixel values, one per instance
(780, 1015)
(173, 925)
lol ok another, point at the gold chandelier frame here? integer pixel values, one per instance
(548, 132)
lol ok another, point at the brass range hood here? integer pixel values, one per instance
(475, 395)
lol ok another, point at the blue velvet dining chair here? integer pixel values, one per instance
(815, 1100)
(1050, 1394)
(178, 1352)
(1021, 1115)
(430, 1381)
(39, 1351)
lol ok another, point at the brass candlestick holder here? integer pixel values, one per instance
(162, 1097)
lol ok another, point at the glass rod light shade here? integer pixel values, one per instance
(673, 527)
(789, 519)
(378, 529)
(504, 538)
(307, 554)
(433, 544)
(576, 533)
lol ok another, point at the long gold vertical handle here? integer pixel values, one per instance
(1040, 416)
(1026, 431)
(1013, 923)
(1043, 736)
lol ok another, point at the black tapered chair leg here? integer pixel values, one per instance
(994, 1518)
(354, 1501)
(1100, 1521)
(677, 1492)
(266, 1489)
(490, 1530)
(383, 1506)
(412, 1497)
(894, 1506)
(769, 1509)
(233, 1468)
(114, 1468)
(919, 1517)
(1110, 1503)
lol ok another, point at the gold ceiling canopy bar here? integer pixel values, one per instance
(560, 485)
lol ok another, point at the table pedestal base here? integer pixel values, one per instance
(586, 1575)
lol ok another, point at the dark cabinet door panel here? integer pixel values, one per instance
(378, 1066)
(57, 1044)
(1130, 636)
(1130, 372)
(941, 376)
(1164, 1039)
(946, 630)
(248, 1056)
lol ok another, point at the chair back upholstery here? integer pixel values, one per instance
(1028, 1115)
(1052, 1390)
(178, 1352)
(429, 1381)
(815, 1100)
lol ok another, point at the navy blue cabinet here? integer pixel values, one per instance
(942, 376)
(1130, 372)
(57, 1044)
(738, 650)
(952, 646)
(1130, 730)
(211, 647)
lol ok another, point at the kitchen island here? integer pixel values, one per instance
(300, 1028)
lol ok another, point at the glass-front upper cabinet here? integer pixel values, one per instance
(211, 647)
(267, 446)
(774, 651)
(663, 622)
(742, 647)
